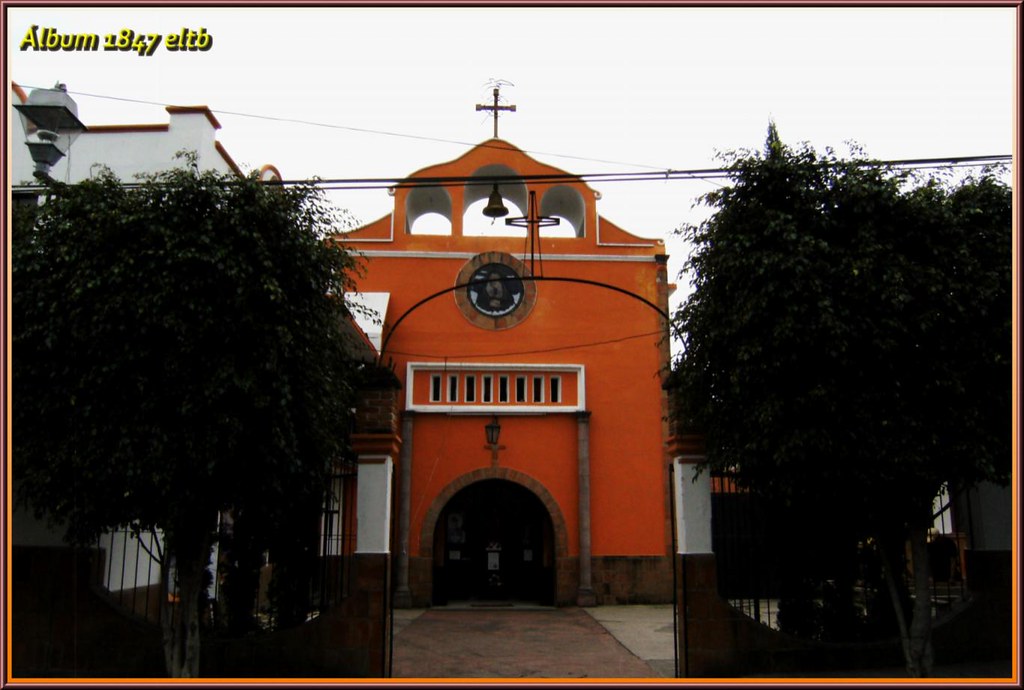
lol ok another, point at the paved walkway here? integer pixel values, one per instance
(523, 642)
(606, 642)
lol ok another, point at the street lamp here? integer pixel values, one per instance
(50, 117)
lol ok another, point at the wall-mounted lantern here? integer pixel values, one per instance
(493, 431)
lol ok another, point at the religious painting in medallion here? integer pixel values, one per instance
(493, 291)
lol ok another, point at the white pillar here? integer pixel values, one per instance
(693, 507)
(373, 504)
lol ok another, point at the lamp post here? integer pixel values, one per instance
(50, 117)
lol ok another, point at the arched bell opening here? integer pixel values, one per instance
(428, 211)
(477, 196)
(566, 204)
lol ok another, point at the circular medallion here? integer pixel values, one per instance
(491, 292)
(495, 290)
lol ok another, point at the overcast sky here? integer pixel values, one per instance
(596, 90)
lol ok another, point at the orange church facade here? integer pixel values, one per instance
(561, 341)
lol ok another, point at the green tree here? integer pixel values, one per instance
(847, 344)
(178, 351)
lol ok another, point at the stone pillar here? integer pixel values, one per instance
(702, 642)
(585, 594)
(403, 597)
(372, 564)
(373, 504)
(693, 507)
(366, 635)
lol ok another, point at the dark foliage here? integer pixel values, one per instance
(178, 351)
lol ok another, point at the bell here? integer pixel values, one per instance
(495, 206)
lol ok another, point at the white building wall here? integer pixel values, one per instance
(127, 561)
(128, 150)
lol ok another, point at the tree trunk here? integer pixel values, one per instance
(919, 661)
(916, 638)
(179, 614)
(894, 596)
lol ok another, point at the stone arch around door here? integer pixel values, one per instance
(524, 480)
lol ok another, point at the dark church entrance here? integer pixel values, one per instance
(494, 545)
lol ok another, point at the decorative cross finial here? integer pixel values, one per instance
(495, 108)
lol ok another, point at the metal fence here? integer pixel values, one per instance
(129, 565)
(807, 580)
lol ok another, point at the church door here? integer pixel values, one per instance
(498, 546)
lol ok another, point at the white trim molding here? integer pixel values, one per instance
(399, 254)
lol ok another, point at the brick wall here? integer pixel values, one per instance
(377, 403)
(376, 412)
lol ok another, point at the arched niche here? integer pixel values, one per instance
(428, 211)
(270, 173)
(566, 204)
(475, 198)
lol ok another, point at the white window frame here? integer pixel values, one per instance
(555, 389)
(521, 381)
(537, 389)
(513, 371)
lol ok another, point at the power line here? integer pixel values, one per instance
(488, 180)
(703, 174)
(694, 174)
(656, 172)
(363, 130)
(562, 348)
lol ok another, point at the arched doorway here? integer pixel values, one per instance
(494, 543)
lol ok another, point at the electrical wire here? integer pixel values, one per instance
(699, 174)
(662, 172)
(484, 180)
(655, 174)
(669, 174)
(539, 351)
(362, 130)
